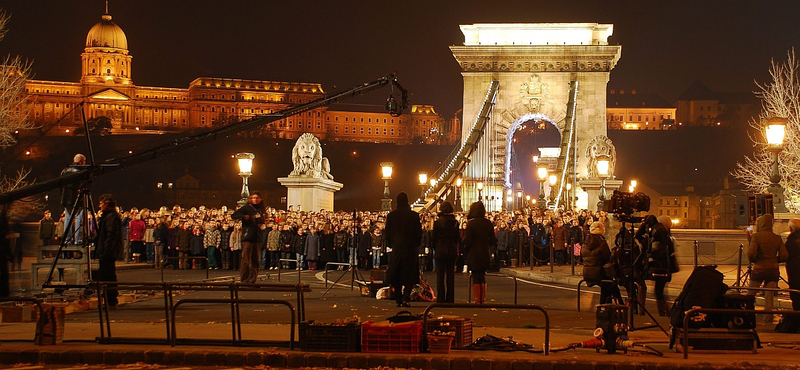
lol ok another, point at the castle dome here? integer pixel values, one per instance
(106, 34)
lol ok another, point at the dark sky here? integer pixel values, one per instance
(665, 44)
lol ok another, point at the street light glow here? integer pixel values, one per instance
(245, 162)
(542, 172)
(458, 182)
(423, 178)
(776, 131)
(553, 179)
(602, 166)
(386, 170)
(433, 182)
(480, 185)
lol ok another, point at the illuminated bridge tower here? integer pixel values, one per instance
(538, 67)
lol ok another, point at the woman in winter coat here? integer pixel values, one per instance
(596, 253)
(444, 239)
(765, 251)
(340, 244)
(327, 252)
(236, 245)
(274, 246)
(479, 242)
(312, 248)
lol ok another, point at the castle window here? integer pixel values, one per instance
(213, 109)
(384, 132)
(213, 96)
(319, 125)
(346, 129)
(108, 71)
(392, 132)
(336, 130)
(369, 130)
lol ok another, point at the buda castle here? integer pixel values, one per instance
(107, 89)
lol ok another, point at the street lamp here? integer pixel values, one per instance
(552, 180)
(569, 197)
(509, 199)
(479, 185)
(519, 199)
(602, 171)
(245, 171)
(423, 181)
(541, 173)
(458, 194)
(386, 171)
(775, 132)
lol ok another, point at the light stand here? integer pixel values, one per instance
(423, 182)
(458, 207)
(480, 191)
(245, 171)
(541, 172)
(602, 172)
(386, 201)
(775, 133)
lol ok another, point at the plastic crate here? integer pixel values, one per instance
(330, 337)
(391, 338)
(462, 328)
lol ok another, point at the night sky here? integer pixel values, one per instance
(665, 45)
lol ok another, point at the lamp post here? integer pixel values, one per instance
(479, 185)
(569, 197)
(423, 181)
(541, 173)
(602, 172)
(509, 199)
(458, 195)
(433, 183)
(518, 204)
(552, 180)
(776, 132)
(386, 201)
(245, 171)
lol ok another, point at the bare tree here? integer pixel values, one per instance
(779, 98)
(14, 73)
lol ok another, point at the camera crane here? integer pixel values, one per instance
(86, 173)
(394, 108)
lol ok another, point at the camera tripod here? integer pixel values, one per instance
(84, 208)
(744, 280)
(635, 289)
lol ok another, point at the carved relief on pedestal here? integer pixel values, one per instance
(600, 145)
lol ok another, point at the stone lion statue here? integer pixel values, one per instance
(600, 145)
(308, 160)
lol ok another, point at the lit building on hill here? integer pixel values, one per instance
(107, 90)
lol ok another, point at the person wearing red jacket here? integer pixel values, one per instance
(136, 230)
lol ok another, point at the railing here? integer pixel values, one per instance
(489, 305)
(169, 290)
(37, 302)
(236, 337)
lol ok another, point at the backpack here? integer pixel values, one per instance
(704, 288)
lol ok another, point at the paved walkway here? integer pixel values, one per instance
(778, 350)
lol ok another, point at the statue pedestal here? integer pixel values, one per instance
(310, 194)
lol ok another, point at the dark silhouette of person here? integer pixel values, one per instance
(403, 233)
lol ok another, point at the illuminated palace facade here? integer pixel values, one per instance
(106, 88)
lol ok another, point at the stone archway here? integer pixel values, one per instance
(534, 65)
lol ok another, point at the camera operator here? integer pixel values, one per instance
(659, 250)
(627, 256)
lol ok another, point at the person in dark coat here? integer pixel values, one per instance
(479, 242)
(403, 234)
(793, 262)
(444, 239)
(108, 244)
(252, 216)
(596, 253)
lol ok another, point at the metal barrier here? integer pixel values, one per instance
(297, 264)
(234, 317)
(469, 286)
(489, 305)
(105, 320)
(37, 302)
(693, 311)
(183, 258)
(169, 290)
